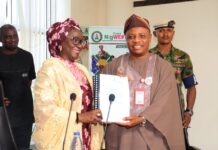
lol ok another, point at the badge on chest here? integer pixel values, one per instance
(140, 92)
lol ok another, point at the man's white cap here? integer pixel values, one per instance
(164, 24)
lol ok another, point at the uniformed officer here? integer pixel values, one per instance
(182, 64)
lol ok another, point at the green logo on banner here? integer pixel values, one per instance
(96, 36)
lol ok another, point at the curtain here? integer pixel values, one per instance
(32, 18)
(35, 17)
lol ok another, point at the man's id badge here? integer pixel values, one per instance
(139, 98)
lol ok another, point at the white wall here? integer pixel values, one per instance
(118, 11)
(196, 33)
(89, 12)
(63, 10)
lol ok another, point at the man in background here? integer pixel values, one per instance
(181, 62)
(16, 73)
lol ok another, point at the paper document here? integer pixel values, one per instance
(120, 107)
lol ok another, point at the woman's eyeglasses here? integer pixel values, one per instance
(77, 41)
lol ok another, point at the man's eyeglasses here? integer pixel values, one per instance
(78, 41)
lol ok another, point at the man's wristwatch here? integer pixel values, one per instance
(190, 111)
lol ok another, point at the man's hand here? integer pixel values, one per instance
(131, 121)
(6, 101)
(186, 119)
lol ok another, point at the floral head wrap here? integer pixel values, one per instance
(57, 33)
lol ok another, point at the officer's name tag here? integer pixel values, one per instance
(139, 97)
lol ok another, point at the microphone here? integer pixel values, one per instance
(111, 99)
(72, 98)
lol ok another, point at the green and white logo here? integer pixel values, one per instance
(96, 36)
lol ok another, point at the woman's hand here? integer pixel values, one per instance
(93, 116)
(131, 121)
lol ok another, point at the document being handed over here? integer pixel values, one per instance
(120, 106)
